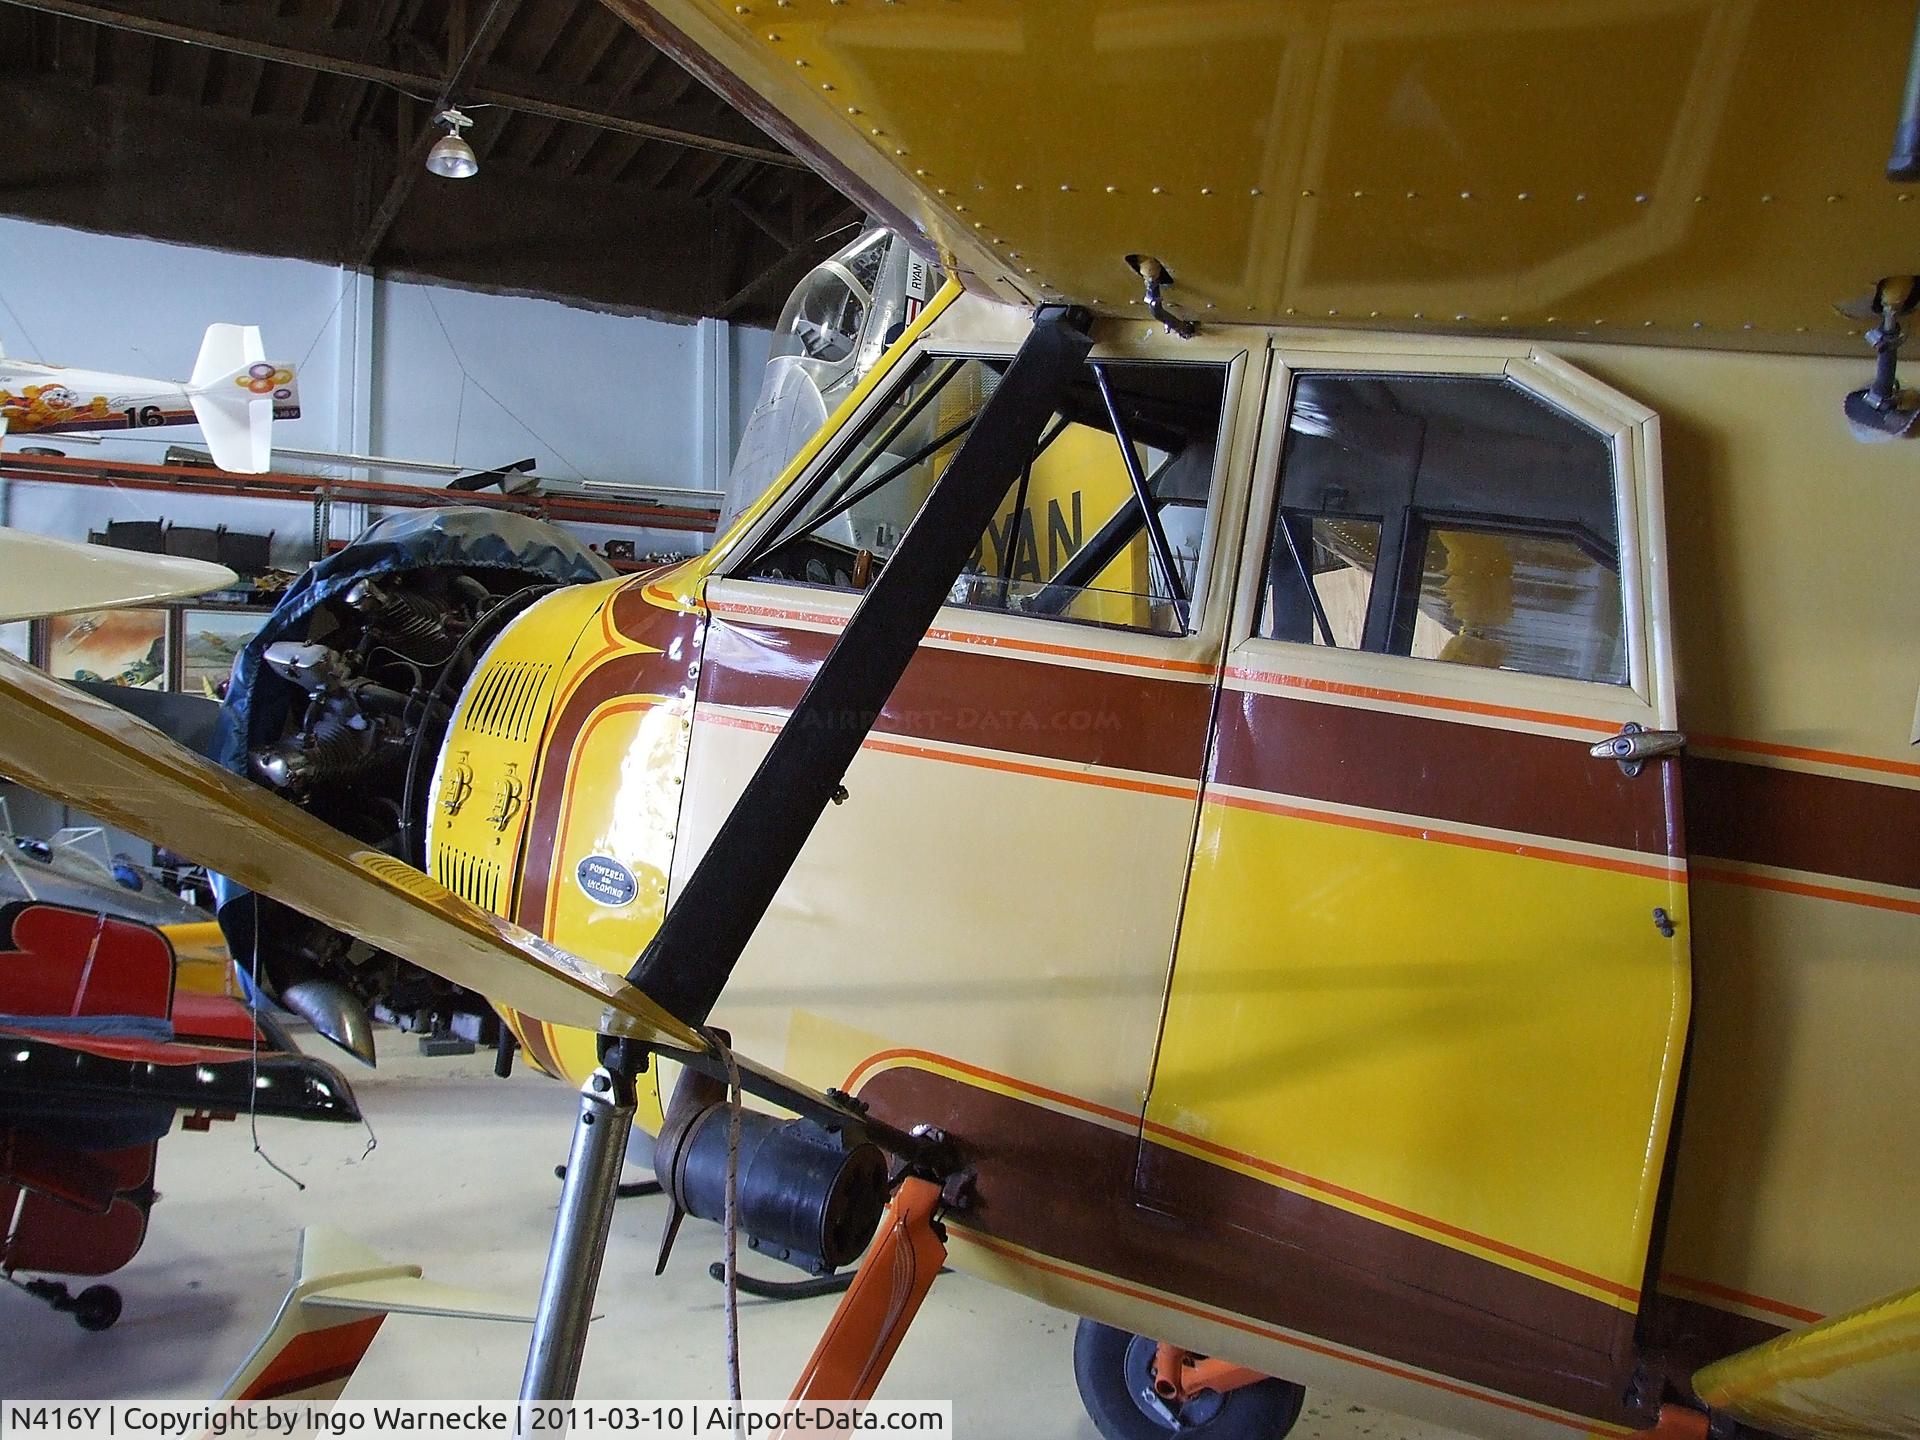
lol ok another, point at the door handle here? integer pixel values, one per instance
(1635, 745)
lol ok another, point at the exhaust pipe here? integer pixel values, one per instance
(336, 1013)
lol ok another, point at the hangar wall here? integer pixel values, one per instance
(385, 366)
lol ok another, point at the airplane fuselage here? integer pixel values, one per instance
(1321, 1006)
(55, 399)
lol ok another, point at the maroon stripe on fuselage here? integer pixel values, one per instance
(992, 701)
(1068, 1187)
(1428, 768)
(1763, 815)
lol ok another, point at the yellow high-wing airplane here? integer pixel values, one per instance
(1258, 626)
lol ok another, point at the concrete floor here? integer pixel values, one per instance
(461, 1183)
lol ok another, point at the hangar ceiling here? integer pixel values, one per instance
(609, 175)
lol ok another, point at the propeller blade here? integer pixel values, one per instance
(121, 770)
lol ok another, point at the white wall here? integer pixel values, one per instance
(483, 380)
(140, 308)
(410, 370)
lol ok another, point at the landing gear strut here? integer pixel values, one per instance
(94, 1308)
(626, 1190)
(880, 1303)
(579, 1236)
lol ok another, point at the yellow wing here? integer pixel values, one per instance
(1371, 166)
(40, 575)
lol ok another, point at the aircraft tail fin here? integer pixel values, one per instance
(238, 428)
(236, 392)
(226, 352)
(341, 1294)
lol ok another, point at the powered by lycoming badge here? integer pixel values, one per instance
(606, 880)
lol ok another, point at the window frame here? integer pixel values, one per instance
(1631, 432)
(1226, 507)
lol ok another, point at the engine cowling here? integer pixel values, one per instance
(342, 703)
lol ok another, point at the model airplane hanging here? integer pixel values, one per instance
(234, 396)
(1201, 815)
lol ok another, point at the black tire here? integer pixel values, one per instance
(1113, 1369)
(96, 1307)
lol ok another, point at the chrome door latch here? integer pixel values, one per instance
(1634, 746)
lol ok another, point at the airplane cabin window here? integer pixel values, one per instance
(1453, 518)
(1070, 540)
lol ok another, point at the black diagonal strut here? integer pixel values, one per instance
(686, 965)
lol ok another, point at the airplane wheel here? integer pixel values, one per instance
(1115, 1373)
(96, 1307)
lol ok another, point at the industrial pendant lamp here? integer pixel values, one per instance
(452, 157)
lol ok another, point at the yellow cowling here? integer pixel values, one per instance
(1853, 1377)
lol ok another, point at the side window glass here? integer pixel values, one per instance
(1071, 539)
(1453, 518)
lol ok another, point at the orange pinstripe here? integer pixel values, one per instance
(1446, 837)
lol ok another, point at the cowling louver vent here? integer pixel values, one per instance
(472, 877)
(507, 699)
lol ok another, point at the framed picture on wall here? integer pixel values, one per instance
(209, 639)
(121, 647)
(16, 638)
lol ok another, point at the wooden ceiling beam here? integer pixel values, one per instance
(401, 79)
(705, 169)
(765, 226)
(411, 161)
(784, 271)
(736, 176)
(589, 44)
(790, 267)
(217, 179)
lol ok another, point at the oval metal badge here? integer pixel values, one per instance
(606, 880)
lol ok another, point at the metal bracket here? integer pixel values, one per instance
(1635, 745)
(1155, 274)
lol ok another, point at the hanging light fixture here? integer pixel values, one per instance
(452, 157)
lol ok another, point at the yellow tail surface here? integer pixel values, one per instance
(1852, 1377)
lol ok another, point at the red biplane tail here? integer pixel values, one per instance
(341, 1293)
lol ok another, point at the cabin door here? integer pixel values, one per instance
(1430, 993)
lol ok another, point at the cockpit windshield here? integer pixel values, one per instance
(826, 312)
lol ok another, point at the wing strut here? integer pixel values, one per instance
(686, 965)
(692, 955)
